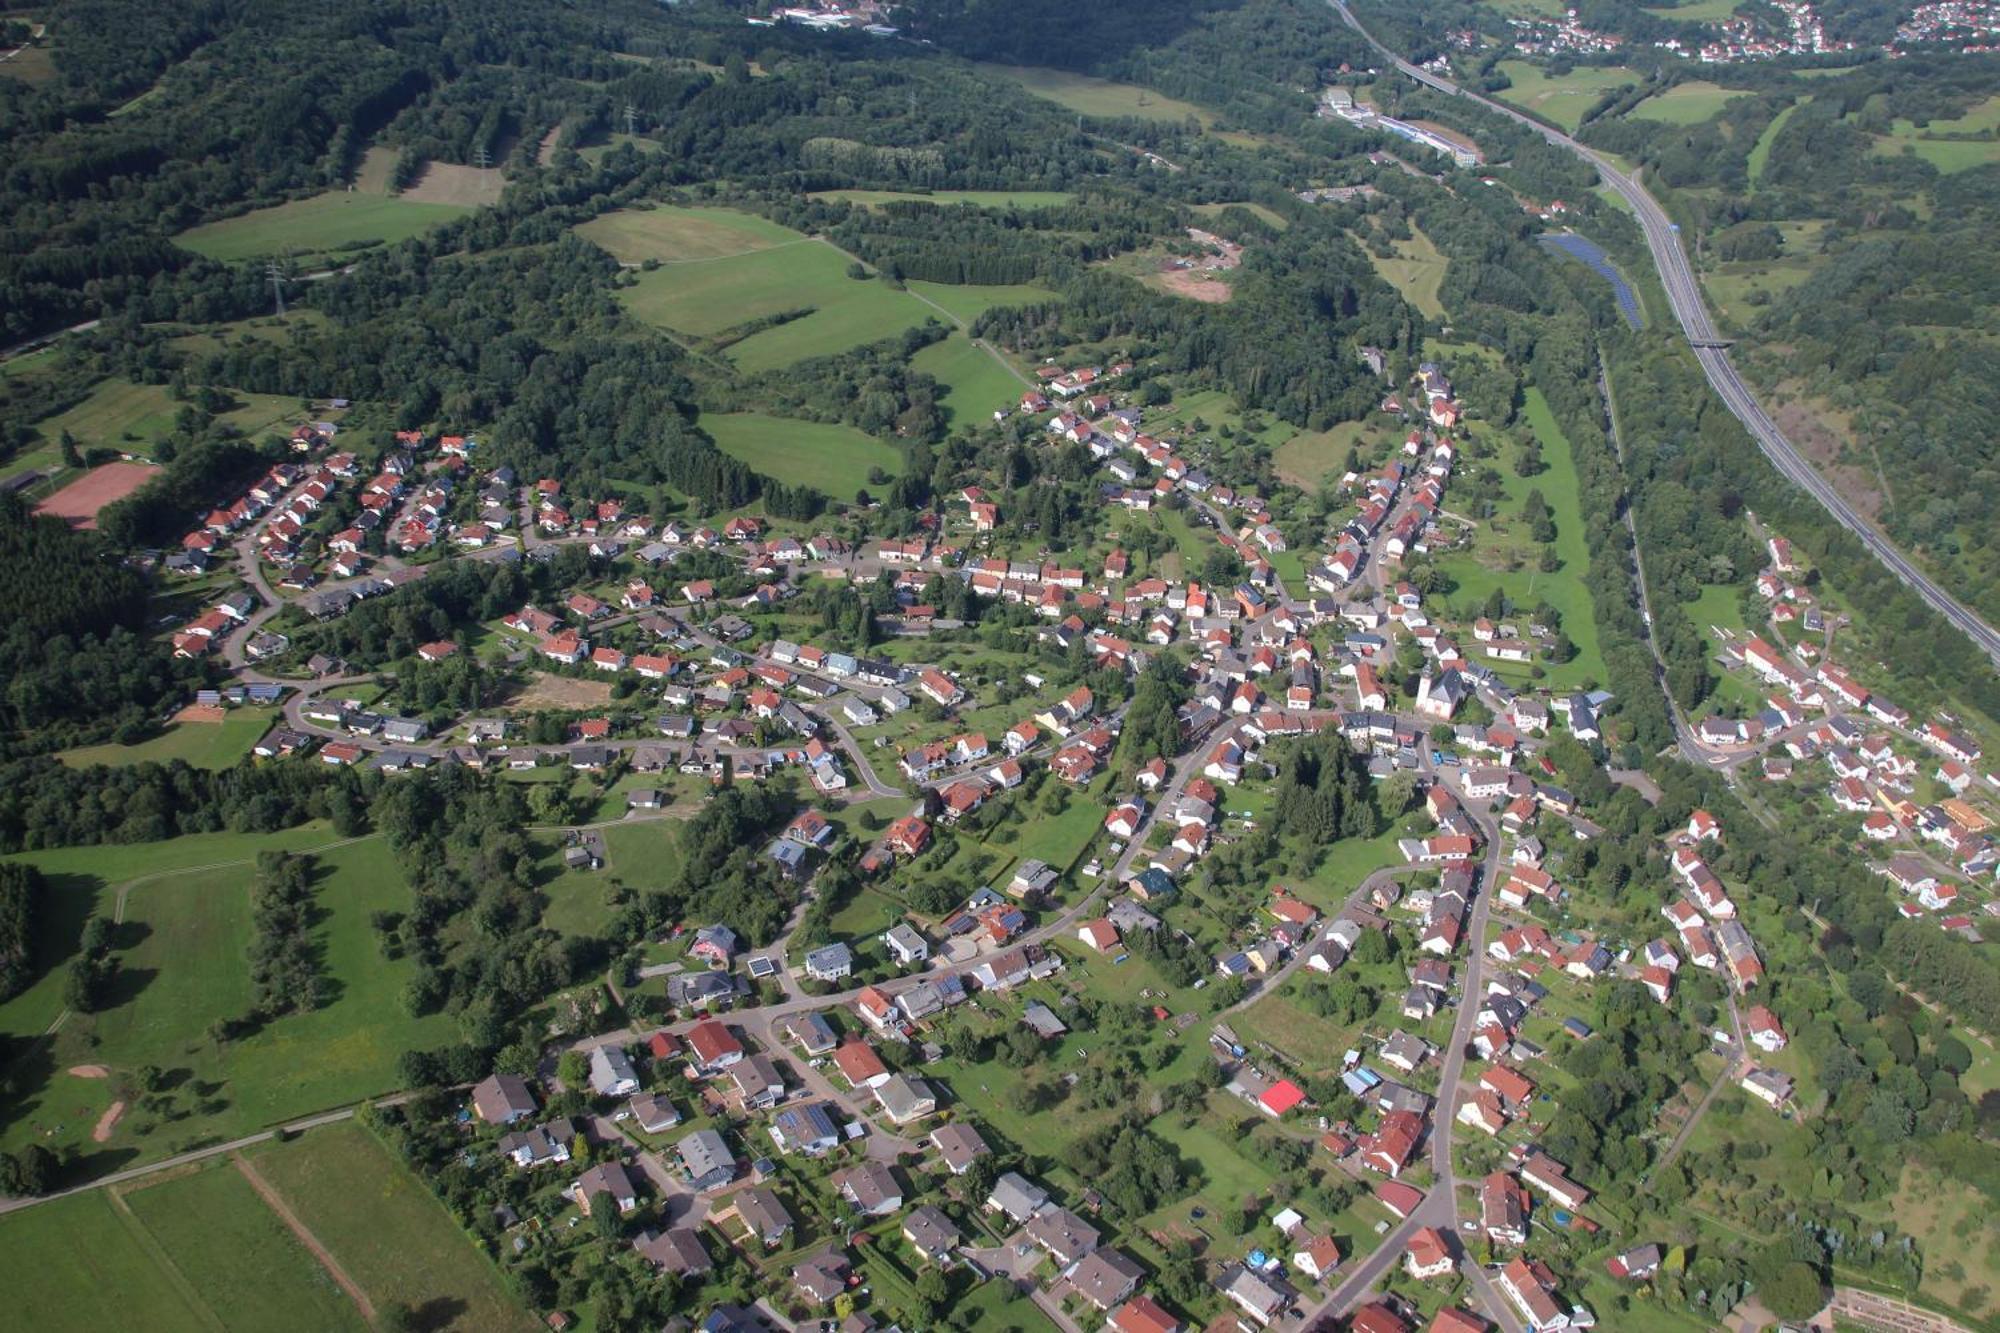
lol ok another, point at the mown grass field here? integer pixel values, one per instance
(241, 1260)
(198, 1249)
(385, 1228)
(1278, 220)
(1527, 586)
(1949, 156)
(977, 384)
(1416, 270)
(210, 745)
(1564, 100)
(719, 270)
(1686, 103)
(970, 302)
(831, 458)
(1096, 97)
(76, 1265)
(977, 198)
(1699, 11)
(182, 966)
(677, 235)
(808, 279)
(325, 224)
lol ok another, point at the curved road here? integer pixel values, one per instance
(1684, 295)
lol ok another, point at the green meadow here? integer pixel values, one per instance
(321, 226)
(181, 951)
(831, 458)
(1563, 100)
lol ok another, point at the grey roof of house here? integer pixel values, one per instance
(1017, 1196)
(677, 1251)
(930, 1230)
(704, 1151)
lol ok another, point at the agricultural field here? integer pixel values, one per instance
(1416, 270)
(210, 745)
(976, 198)
(1565, 100)
(831, 458)
(1096, 97)
(977, 383)
(325, 225)
(1479, 572)
(181, 952)
(1686, 103)
(388, 1233)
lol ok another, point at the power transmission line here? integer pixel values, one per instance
(276, 273)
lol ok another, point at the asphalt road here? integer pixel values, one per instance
(1684, 295)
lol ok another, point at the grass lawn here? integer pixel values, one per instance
(1563, 101)
(1095, 97)
(385, 1228)
(976, 384)
(1417, 271)
(238, 1255)
(133, 417)
(969, 302)
(976, 198)
(1686, 103)
(210, 745)
(829, 457)
(181, 954)
(77, 1265)
(325, 224)
(1527, 586)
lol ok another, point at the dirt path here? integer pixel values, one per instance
(306, 1237)
(107, 1122)
(88, 1071)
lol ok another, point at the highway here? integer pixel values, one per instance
(1684, 295)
